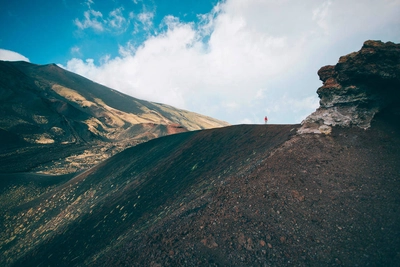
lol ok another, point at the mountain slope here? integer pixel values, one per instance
(47, 106)
(238, 196)
(144, 180)
(324, 193)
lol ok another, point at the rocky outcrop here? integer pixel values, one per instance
(361, 85)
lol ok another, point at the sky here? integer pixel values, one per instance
(234, 60)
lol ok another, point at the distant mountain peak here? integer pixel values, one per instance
(47, 105)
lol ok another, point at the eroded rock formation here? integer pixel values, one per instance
(358, 87)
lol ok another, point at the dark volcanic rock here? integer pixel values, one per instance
(358, 87)
(131, 191)
(236, 196)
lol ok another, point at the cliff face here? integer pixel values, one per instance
(358, 87)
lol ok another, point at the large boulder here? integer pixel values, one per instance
(361, 85)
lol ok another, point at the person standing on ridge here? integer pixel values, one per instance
(266, 119)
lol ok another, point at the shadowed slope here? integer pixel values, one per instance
(238, 196)
(133, 190)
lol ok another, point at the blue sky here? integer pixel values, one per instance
(54, 31)
(235, 60)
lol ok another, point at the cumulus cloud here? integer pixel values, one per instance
(245, 60)
(8, 55)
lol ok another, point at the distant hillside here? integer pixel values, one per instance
(50, 107)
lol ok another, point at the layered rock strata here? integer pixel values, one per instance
(358, 87)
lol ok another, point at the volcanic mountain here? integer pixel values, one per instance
(324, 193)
(60, 122)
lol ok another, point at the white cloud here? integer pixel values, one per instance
(93, 19)
(116, 20)
(128, 50)
(245, 59)
(146, 18)
(320, 14)
(76, 51)
(89, 3)
(8, 55)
